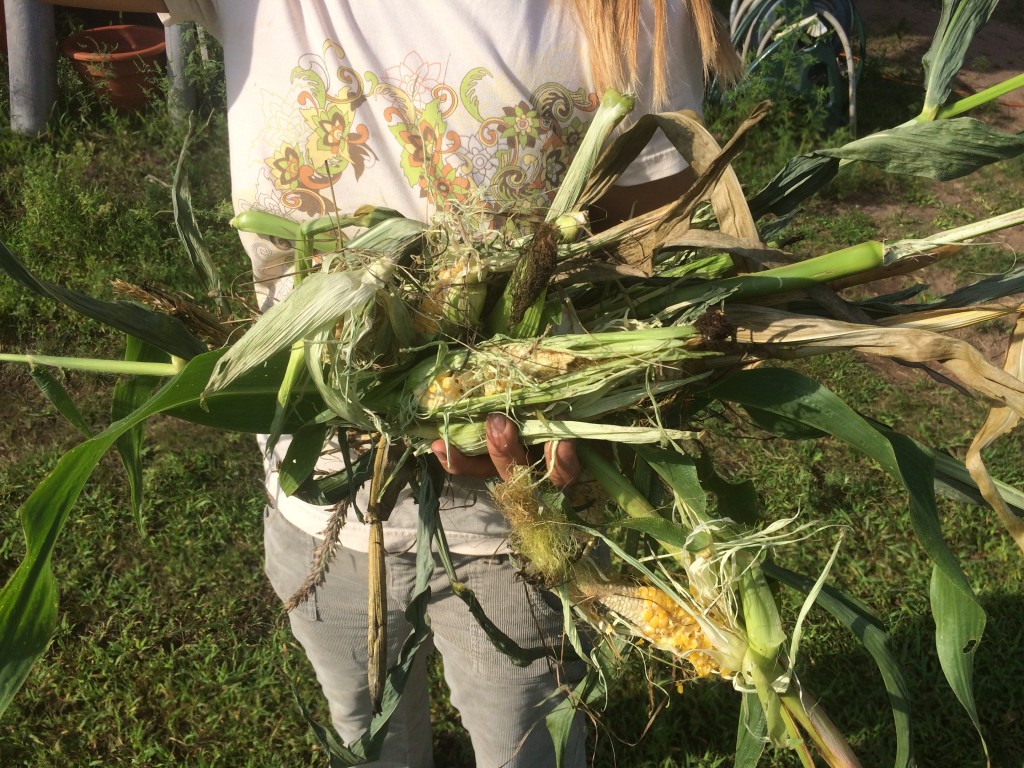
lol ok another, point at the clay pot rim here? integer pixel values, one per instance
(71, 47)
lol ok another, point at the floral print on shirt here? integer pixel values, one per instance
(452, 147)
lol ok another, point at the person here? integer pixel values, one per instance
(418, 106)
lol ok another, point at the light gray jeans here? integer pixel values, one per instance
(501, 705)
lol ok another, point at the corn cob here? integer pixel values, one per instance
(454, 301)
(504, 374)
(513, 365)
(649, 613)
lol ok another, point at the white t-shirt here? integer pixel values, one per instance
(404, 104)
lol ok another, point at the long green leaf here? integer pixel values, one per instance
(875, 640)
(661, 529)
(990, 289)
(956, 641)
(943, 150)
(428, 525)
(303, 452)
(947, 149)
(959, 618)
(680, 472)
(367, 747)
(162, 331)
(188, 229)
(953, 479)
(563, 720)
(959, 21)
(129, 394)
(28, 601)
(518, 655)
(55, 392)
(751, 732)
(798, 180)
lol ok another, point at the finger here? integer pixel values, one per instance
(563, 464)
(455, 462)
(503, 445)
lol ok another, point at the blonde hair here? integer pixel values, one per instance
(612, 29)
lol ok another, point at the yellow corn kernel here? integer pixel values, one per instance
(654, 616)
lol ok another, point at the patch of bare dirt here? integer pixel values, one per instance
(900, 32)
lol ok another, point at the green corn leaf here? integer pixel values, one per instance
(990, 289)
(959, 618)
(959, 22)
(566, 714)
(946, 149)
(416, 614)
(162, 331)
(305, 448)
(798, 180)
(739, 497)
(245, 406)
(28, 601)
(367, 747)
(521, 657)
(943, 150)
(680, 473)
(56, 393)
(341, 393)
(129, 394)
(337, 487)
(340, 755)
(956, 639)
(867, 629)
(751, 732)
(953, 479)
(664, 531)
(782, 426)
(188, 229)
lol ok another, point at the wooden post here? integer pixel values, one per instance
(32, 64)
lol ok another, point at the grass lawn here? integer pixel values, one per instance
(172, 648)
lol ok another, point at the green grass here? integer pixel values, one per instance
(172, 648)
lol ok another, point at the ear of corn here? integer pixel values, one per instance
(649, 613)
(558, 374)
(453, 302)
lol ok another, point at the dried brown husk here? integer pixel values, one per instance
(787, 335)
(1000, 421)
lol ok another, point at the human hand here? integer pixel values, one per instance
(504, 449)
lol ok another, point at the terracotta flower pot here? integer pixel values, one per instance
(123, 62)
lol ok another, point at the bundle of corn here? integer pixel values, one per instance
(707, 603)
(413, 331)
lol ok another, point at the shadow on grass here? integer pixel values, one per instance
(846, 682)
